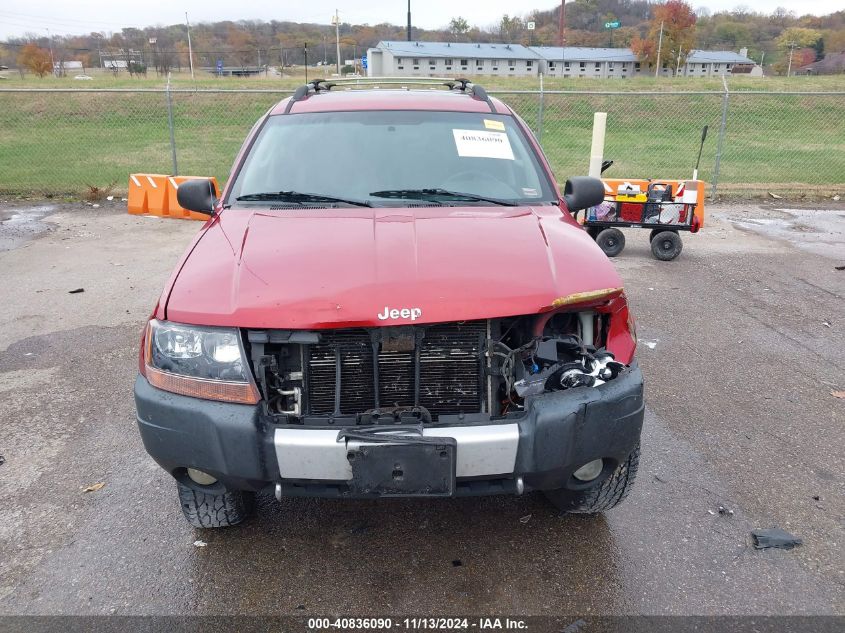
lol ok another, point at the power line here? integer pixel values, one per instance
(63, 21)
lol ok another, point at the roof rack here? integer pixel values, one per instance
(325, 85)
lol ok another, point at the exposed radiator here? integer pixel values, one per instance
(439, 367)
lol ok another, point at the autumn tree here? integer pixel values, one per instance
(797, 37)
(677, 20)
(35, 59)
(458, 27)
(509, 27)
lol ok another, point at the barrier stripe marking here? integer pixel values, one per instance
(152, 183)
(173, 183)
(135, 180)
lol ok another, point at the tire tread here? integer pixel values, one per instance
(206, 510)
(610, 493)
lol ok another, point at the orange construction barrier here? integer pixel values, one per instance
(686, 191)
(155, 194)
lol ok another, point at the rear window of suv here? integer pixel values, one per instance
(354, 154)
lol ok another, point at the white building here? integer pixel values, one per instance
(574, 61)
(437, 59)
(714, 63)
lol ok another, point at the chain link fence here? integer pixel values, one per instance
(63, 141)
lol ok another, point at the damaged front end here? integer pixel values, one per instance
(556, 352)
(465, 372)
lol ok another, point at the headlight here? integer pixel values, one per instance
(204, 362)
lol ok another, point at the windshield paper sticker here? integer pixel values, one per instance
(482, 144)
(494, 125)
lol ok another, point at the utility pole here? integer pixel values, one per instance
(305, 46)
(190, 50)
(659, 46)
(678, 66)
(791, 50)
(560, 19)
(409, 21)
(336, 21)
(561, 37)
(53, 63)
(98, 37)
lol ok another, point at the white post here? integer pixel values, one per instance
(659, 46)
(337, 38)
(190, 50)
(597, 148)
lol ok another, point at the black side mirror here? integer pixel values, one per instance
(196, 195)
(582, 192)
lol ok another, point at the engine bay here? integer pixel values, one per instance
(458, 372)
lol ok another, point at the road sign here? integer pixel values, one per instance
(364, 62)
(530, 26)
(612, 25)
(219, 65)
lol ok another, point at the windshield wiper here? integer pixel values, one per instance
(435, 193)
(297, 197)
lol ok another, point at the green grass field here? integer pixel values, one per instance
(60, 143)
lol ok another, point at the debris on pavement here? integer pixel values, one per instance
(2, 460)
(826, 323)
(649, 344)
(199, 543)
(525, 519)
(457, 563)
(94, 487)
(838, 394)
(775, 196)
(774, 538)
(836, 197)
(725, 511)
(76, 291)
(839, 267)
(109, 198)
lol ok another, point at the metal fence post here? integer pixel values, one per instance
(540, 114)
(725, 98)
(170, 125)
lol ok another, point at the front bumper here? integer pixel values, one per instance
(557, 434)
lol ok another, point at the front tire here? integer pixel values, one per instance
(604, 496)
(209, 510)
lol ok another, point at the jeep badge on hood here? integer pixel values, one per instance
(403, 313)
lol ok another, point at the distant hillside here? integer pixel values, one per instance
(250, 43)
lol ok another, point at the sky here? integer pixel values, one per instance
(84, 16)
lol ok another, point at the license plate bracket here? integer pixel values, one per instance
(421, 468)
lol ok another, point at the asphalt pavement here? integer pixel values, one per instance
(742, 344)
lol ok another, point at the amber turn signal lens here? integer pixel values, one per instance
(240, 392)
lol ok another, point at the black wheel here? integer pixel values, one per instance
(209, 510)
(609, 493)
(611, 241)
(653, 233)
(593, 231)
(666, 245)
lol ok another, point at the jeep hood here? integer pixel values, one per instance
(321, 268)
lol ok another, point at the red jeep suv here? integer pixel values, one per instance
(391, 298)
